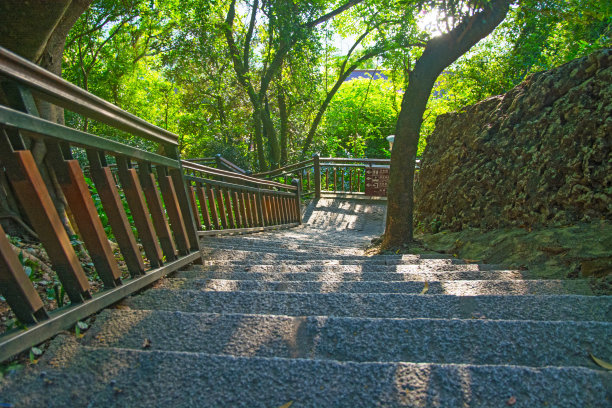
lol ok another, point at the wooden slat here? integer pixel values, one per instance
(117, 218)
(194, 207)
(286, 217)
(342, 171)
(228, 208)
(90, 226)
(174, 210)
(213, 207)
(260, 206)
(335, 179)
(268, 210)
(276, 210)
(140, 213)
(237, 213)
(351, 180)
(160, 222)
(180, 188)
(326, 179)
(248, 210)
(36, 202)
(221, 207)
(16, 287)
(203, 205)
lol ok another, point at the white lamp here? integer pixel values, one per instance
(391, 139)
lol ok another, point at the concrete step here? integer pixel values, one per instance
(394, 264)
(237, 273)
(458, 288)
(102, 377)
(387, 305)
(347, 267)
(237, 254)
(527, 343)
(278, 246)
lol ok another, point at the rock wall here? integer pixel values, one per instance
(537, 156)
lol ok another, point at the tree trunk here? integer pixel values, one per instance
(439, 53)
(38, 33)
(270, 133)
(284, 127)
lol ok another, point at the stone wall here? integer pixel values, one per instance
(537, 156)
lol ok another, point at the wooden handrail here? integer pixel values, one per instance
(234, 176)
(272, 173)
(51, 87)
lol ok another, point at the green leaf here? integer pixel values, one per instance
(601, 363)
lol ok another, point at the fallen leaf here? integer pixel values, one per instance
(425, 288)
(511, 401)
(601, 363)
(287, 405)
(146, 344)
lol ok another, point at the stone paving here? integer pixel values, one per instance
(302, 318)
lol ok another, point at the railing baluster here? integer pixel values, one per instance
(261, 210)
(213, 206)
(160, 223)
(317, 176)
(245, 208)
(228, 208)
(174, 210)
(342, 171)
(237, 213)
(72, 183)
(106, 186)
(140, 214)
(220, 194)
(194, 207)
(36, 202)
(203, 205)
(16, 287)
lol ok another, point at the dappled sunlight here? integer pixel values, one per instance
(411, 385)
(123, 325)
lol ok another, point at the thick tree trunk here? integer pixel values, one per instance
(38, 32)
(439, 53)
(270, 133)
(284, 127)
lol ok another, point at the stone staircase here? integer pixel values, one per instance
(302, 318)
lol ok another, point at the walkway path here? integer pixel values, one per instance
(303, 316)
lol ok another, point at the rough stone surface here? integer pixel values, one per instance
(538, 155)
(301, 316)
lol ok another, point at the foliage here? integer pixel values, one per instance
(170, 62)
(359, 119)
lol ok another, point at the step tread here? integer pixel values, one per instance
(528, 343)
(338, 276)
(519, 307)
(82, 376)
(452, 287)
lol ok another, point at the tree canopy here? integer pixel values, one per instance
(265, 82)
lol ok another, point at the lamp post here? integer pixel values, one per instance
(391, 139)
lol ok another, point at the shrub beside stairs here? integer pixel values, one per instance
(302, 318)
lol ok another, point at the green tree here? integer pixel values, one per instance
(468, 23)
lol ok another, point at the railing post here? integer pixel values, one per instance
(317, 175)
(298, 198)
(260, 209)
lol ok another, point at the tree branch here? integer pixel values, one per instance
(332, 14)
(249, 36)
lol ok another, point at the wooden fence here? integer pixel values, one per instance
(156, 205)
